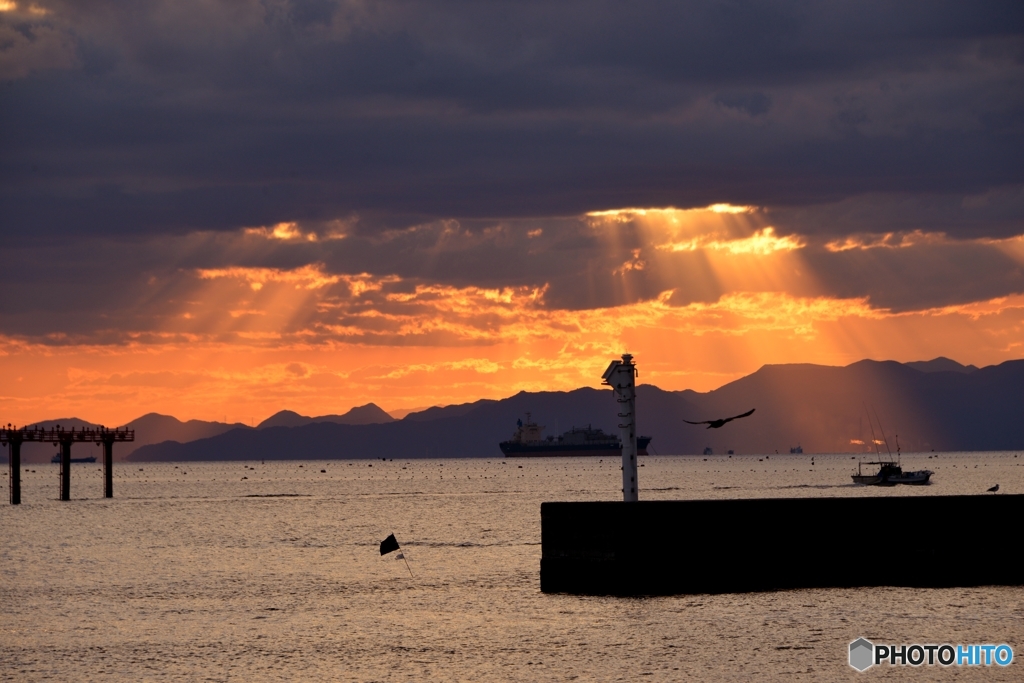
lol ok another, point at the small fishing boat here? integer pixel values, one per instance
(890, 474)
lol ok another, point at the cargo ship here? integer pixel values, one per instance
(528, 442)
(91, 458)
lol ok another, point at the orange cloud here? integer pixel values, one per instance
(889, 240)
(668, 212)
(763, 241)
(306, 277)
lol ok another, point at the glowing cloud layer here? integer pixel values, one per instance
(442, 312)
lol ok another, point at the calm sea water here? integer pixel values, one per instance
(271, 571)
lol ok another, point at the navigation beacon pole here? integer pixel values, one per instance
(620, 376)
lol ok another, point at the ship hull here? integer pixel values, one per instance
(920, 478)
(91, 458)
(513, 449)
(894, 476)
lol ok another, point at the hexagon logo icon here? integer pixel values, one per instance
(862, 654)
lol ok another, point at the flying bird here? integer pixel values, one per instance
(994, 489)
(715, 424)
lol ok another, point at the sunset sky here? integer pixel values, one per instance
(221, 209)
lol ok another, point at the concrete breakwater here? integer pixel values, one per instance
(726, 546)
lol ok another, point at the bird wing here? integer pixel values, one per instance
(723, 420)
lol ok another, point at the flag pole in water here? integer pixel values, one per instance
(390, 545)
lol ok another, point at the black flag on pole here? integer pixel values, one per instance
(388, 545)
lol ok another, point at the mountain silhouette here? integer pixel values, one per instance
(818, 407)
(941, 364)
(360, 415)
(932, 405)
(149, 429)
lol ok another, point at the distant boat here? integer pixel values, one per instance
(528, 442)
(91, 458)
(796, 449)
(708, 451)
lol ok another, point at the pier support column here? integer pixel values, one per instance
(621, 375)
(15, 463)
(65, 470)
(108, 469)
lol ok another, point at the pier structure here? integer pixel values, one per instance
(667, 547)
(621, 377)
(13, 437)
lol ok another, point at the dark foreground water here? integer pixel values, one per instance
(268, 572)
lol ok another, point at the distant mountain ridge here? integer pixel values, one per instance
(360, 415)
(151, 428)
(930, 405)
(937, 404)
(941, 364)
(154, 428)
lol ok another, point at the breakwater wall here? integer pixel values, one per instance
(732, 546)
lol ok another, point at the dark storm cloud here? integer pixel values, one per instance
(166, 117)
(922, 277)
(998, 212)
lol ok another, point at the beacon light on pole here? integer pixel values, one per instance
(621, 377)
